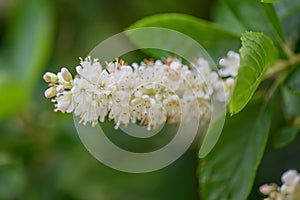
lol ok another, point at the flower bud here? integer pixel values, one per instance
(267, 188)
(60, 89)
(66, 74)
(50, 92)
(50, 77)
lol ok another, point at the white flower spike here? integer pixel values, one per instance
(150, 94)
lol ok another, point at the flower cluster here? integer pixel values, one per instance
(150, 93)
(289, 190)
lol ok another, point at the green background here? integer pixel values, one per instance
(41, 156)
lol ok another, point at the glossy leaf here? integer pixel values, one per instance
(289, 15)
(257, 53)
(291, 104)
(228, 171)
(250, 15)
(213, 38)
(285, 136)
(292, 82)
(212, 135)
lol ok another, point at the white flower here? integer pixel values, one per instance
(223, 89)
(290, 177)
(88, 113)
(151, 93)
(120, 108)
(64, 102)
(203, 67)
(173, 74)
(139, 107)
(230, 64)
(157, 115)
(150, 73)
(173, 108)
(89, 69)
(83, 91)
(289, 190)
(125, 78)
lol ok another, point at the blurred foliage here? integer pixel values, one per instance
(41, 156)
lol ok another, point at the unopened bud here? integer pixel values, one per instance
(50, 77)
(267, 188)
(60, 89)
(50, 92)
(66, 74)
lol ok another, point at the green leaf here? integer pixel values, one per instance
(229, 170)
(257, 53)
(223, 16)
(28, 40)
(212, 135)
(291, 104)
(213, 38)
(250, 15)
(30, 36)
(292, 82)
(289, 14)
(285, 136)
(269, 1)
